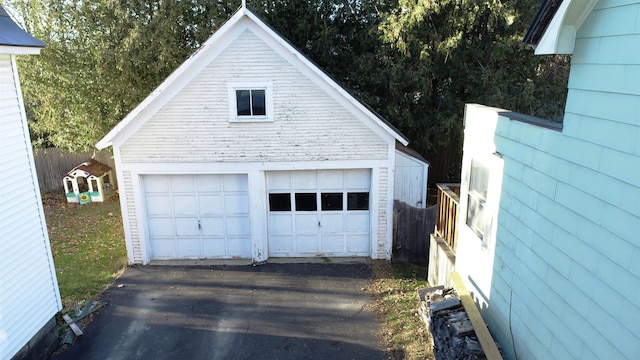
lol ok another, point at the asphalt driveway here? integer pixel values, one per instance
(271, 311)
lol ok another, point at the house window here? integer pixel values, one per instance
(477, 196)
(93, 185)
(250, 101)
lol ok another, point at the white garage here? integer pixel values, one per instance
(319, 213)
(197, 216)
(249, 150)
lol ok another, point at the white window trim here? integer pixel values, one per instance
(267, 86)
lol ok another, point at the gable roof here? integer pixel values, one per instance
(91, 167)
(241, 20)
(14, 40)
(554, 28)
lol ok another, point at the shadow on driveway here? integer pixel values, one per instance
(272, 311)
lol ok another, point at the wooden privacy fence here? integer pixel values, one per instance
(53, 164)
(411, 229)
(447, 214)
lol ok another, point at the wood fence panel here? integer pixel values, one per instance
(411, 229)
(53, 164)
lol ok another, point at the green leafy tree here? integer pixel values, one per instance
(102, 58)
(452, 52)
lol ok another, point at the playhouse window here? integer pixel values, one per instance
(83, 186)
(94, 185)
(477, 196)
(69, 186)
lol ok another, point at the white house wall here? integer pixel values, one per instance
(192, 134)
(29, 295)
(563, 272)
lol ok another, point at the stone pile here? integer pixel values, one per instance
(451, 330)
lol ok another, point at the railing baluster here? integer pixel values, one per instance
(447, 214)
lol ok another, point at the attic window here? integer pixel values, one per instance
(250, 101)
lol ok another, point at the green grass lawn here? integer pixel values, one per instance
(88, 246)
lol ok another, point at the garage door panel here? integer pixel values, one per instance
(185, 205)
(214, 246)
(331, 180)
(332, 244)
(233, 183)
(209, 183)
(239, 247)
(358, 179)
(305, 180)
(281, 223)
(357, 243)
(189, 247)
(163, 249)
(306, 223)
(161, 226)
(159, 205)
(186, 226)
(238, 226)
(357, 222)
(157, 184)
(280, 245)
(279, 181)
(307, 244)
(183, 184)
(213, 226)
(211, 204)
(236, 204)
(332, 223)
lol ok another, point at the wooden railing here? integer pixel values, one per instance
(447, 214)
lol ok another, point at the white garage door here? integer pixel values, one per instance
(198, 216)
(319, 213)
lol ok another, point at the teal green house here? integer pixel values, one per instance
(549, 224)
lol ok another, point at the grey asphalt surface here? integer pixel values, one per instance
(271, 311)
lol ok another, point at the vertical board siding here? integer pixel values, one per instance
(309, 125)
(27, 278)
(409, 177)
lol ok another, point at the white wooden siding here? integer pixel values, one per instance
(309, 124)
(27, 277)
(410, 184)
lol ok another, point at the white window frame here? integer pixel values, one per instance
(267, 86)
(480, 219)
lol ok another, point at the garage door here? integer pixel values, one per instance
(319, 213)
(198, 216)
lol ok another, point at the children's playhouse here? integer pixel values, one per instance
(87, 182)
